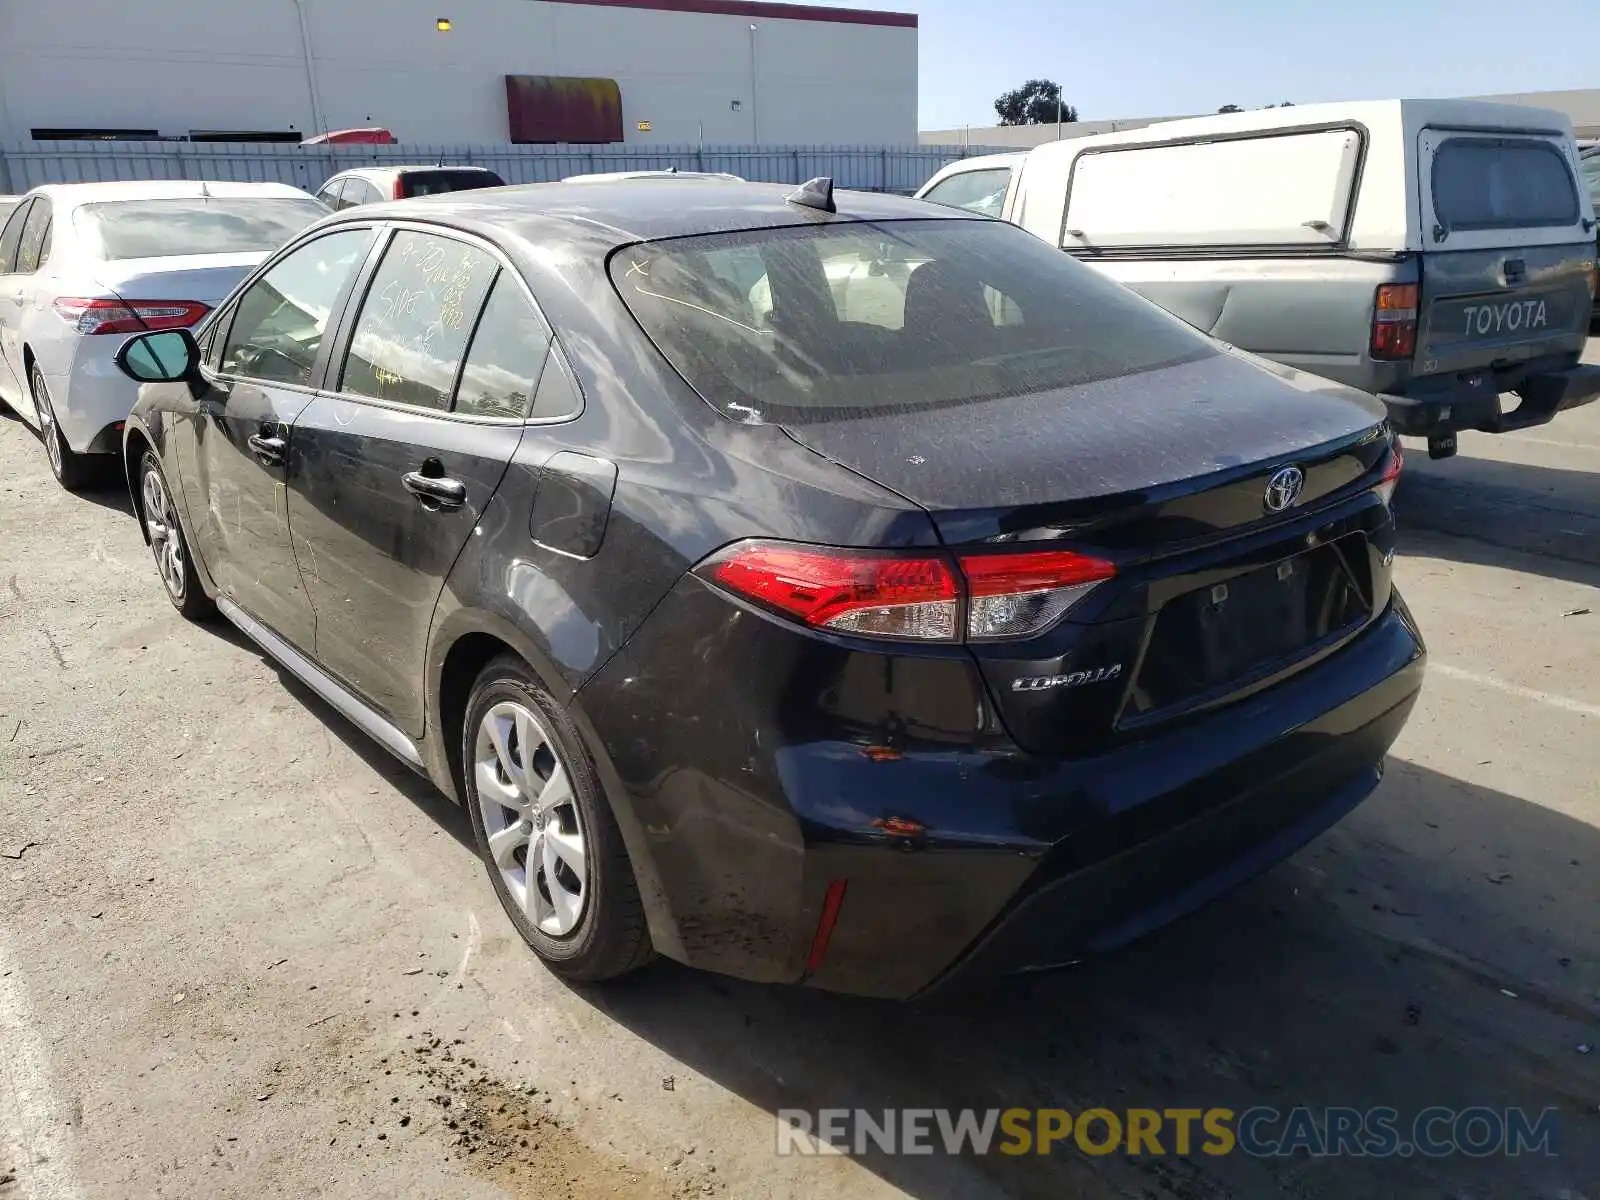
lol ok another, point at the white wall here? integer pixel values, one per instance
(177, 65)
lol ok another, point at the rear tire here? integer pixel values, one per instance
(174, 563)
(545, 831)
(73, 471)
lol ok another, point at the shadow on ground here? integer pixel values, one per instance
(1366, 971)
(1504, 506)
(451, 817)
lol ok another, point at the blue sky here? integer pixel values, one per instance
(1138, 58)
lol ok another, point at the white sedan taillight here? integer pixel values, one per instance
(94, 316)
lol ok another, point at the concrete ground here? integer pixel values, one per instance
(242, 953)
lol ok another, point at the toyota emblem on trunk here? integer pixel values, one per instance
(1284, 488)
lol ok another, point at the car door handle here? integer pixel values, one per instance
(435, 491)
(269, 450)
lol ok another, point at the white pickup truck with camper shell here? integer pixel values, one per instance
(1440, 253)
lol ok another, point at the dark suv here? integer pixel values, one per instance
(839, 590)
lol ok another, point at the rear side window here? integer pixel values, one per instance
(124, 229)
(11, 238)
(976, 191)
(1282, 189)
(431, 183)
(507, 359)
(360, 191)
(413, 327)
(825, 322)
(1591, 177)
(34, 247)
(1502, 183)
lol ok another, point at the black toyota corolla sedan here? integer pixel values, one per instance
(834, 589)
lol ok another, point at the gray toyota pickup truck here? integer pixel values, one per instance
(1438, 252)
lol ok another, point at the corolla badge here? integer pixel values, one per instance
(1284, 488)
(1043, 683)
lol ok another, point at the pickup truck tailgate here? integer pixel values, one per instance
(1485, 308)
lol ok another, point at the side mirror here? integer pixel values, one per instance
(165, 356)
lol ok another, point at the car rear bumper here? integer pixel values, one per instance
(962, 861)
(1443, 404)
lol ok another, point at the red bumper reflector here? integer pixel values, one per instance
(830, 916)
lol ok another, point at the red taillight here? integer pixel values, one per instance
(852, 591)
(1390, 479)
(831, 903)
(1394, 321)
(399, 188)
(909, 596)
(1017, 594)
(128, 316)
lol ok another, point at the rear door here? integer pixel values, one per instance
(1506, 255)
(13, 380)
(390, 474)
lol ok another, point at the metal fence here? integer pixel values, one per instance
(875, 168)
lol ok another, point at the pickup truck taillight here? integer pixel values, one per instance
(908, 597)
(1394, 321)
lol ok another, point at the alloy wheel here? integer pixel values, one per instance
(531, 819)
(166, 539)
(47, 423)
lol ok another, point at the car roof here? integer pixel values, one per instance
(620, 211)
(72, 194)
(406, 168)
(980, 162)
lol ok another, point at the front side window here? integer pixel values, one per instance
(507, 359)
(122, 229)
(976, 191)
(1502, 183)
(414, 324)
(856, 318)
(34, 247)
(280, 321)
(11, 238)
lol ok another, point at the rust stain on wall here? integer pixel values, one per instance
(563, 108)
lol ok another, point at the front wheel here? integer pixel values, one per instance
(73, 471)
(545, 832)
(167, 543)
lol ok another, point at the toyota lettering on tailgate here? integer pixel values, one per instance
(1485, 319)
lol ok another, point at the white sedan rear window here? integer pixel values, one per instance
(120, 229)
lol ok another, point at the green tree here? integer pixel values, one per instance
(1037, 102)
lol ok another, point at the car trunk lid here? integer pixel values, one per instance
(1166, 474)
(204, 278)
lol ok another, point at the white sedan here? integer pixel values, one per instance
(82, 262)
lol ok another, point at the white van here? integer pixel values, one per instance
(1440, 252)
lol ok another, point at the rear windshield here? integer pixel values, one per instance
(1502, 183)
(431, 183)
(163, 228)
(827, 322)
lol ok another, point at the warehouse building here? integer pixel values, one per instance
(459, 71)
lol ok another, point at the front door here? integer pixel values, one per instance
(396, 463)
(242, 433)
